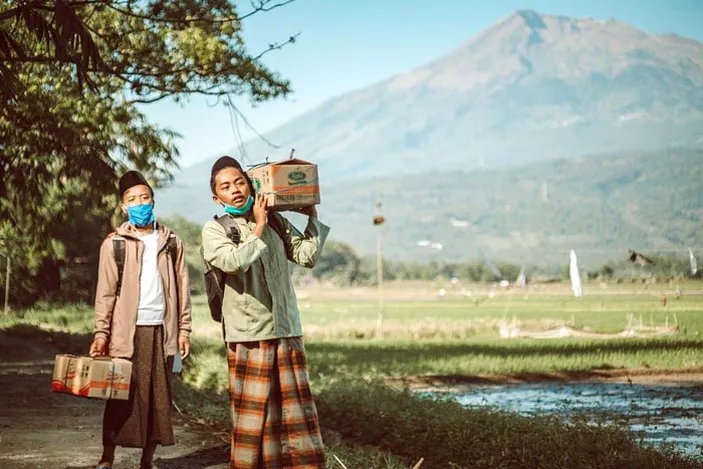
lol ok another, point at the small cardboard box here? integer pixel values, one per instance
(289, 184)
(98, 378)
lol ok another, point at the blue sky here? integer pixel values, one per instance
(349, 44)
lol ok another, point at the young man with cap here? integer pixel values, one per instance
(142, 313)
(274, 419)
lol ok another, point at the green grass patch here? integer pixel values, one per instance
(481, 316)
(450, 436)
(403, 358)
(460, 337)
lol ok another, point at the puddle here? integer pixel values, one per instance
(658, 414)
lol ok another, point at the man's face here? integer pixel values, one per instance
(231, 188)
(137, 195)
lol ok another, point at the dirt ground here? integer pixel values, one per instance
(679, 378)
(42, 429)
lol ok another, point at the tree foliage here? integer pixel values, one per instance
(72, 74)
(153, 48)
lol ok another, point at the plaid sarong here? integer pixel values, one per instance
(274, 419)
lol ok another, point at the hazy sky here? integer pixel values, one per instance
(350, 44)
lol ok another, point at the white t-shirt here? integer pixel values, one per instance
(151, 294)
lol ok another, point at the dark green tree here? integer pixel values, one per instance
(72, 73)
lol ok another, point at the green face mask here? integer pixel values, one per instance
(235, 212)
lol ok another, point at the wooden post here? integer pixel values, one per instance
(378, 221)
(7, 286)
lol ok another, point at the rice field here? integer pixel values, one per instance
(457, 335)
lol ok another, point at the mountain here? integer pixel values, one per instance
(601, 206)
(529, 88)
(477, 133)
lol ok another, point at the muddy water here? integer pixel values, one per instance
(657, 414)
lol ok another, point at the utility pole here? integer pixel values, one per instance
(378, 221)
(7, 285)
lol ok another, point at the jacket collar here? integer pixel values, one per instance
(127, 230)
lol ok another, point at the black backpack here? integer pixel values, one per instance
(214, 277)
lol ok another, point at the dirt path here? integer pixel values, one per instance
(41, 429)
(679, 378)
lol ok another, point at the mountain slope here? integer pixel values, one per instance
(599, 205)
(529, 88)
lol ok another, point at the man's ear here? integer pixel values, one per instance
(216, 200)
(123, 208)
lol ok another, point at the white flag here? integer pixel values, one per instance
(521, 279)
(575, 275)
(694, 264)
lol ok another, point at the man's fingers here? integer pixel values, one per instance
(184, 346)
(97, 347)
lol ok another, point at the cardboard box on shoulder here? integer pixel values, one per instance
(289, 184)
(98, 378)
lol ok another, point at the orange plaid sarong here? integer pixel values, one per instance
(274, 419)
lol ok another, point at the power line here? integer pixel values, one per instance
(236, 110)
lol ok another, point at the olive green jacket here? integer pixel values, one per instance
(259, 300)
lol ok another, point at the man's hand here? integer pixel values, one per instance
(184, 346)
(98, 347)
(260, 214)
(310, 211)
(261, 209)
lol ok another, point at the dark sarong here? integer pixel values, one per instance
(146, 417)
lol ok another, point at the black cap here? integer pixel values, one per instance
(228, 162)
(225, 162)
(131, 179)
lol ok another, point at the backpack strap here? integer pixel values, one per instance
(214, 277)
(230, 226)
(172, 246)
(278, 225)
(118, 249)
(173, 250)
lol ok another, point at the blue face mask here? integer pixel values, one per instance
(141, 215)
(236, 212)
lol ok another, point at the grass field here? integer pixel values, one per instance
(456, 335)
(371, 426)
(459, 336)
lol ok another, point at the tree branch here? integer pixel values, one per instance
(39, 60)
(150, 100)
(276, 46)
(263, 8)
(173, 21)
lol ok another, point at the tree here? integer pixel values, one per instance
(189, 232)
(154, 48)
(72, 73)
(338, 262)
